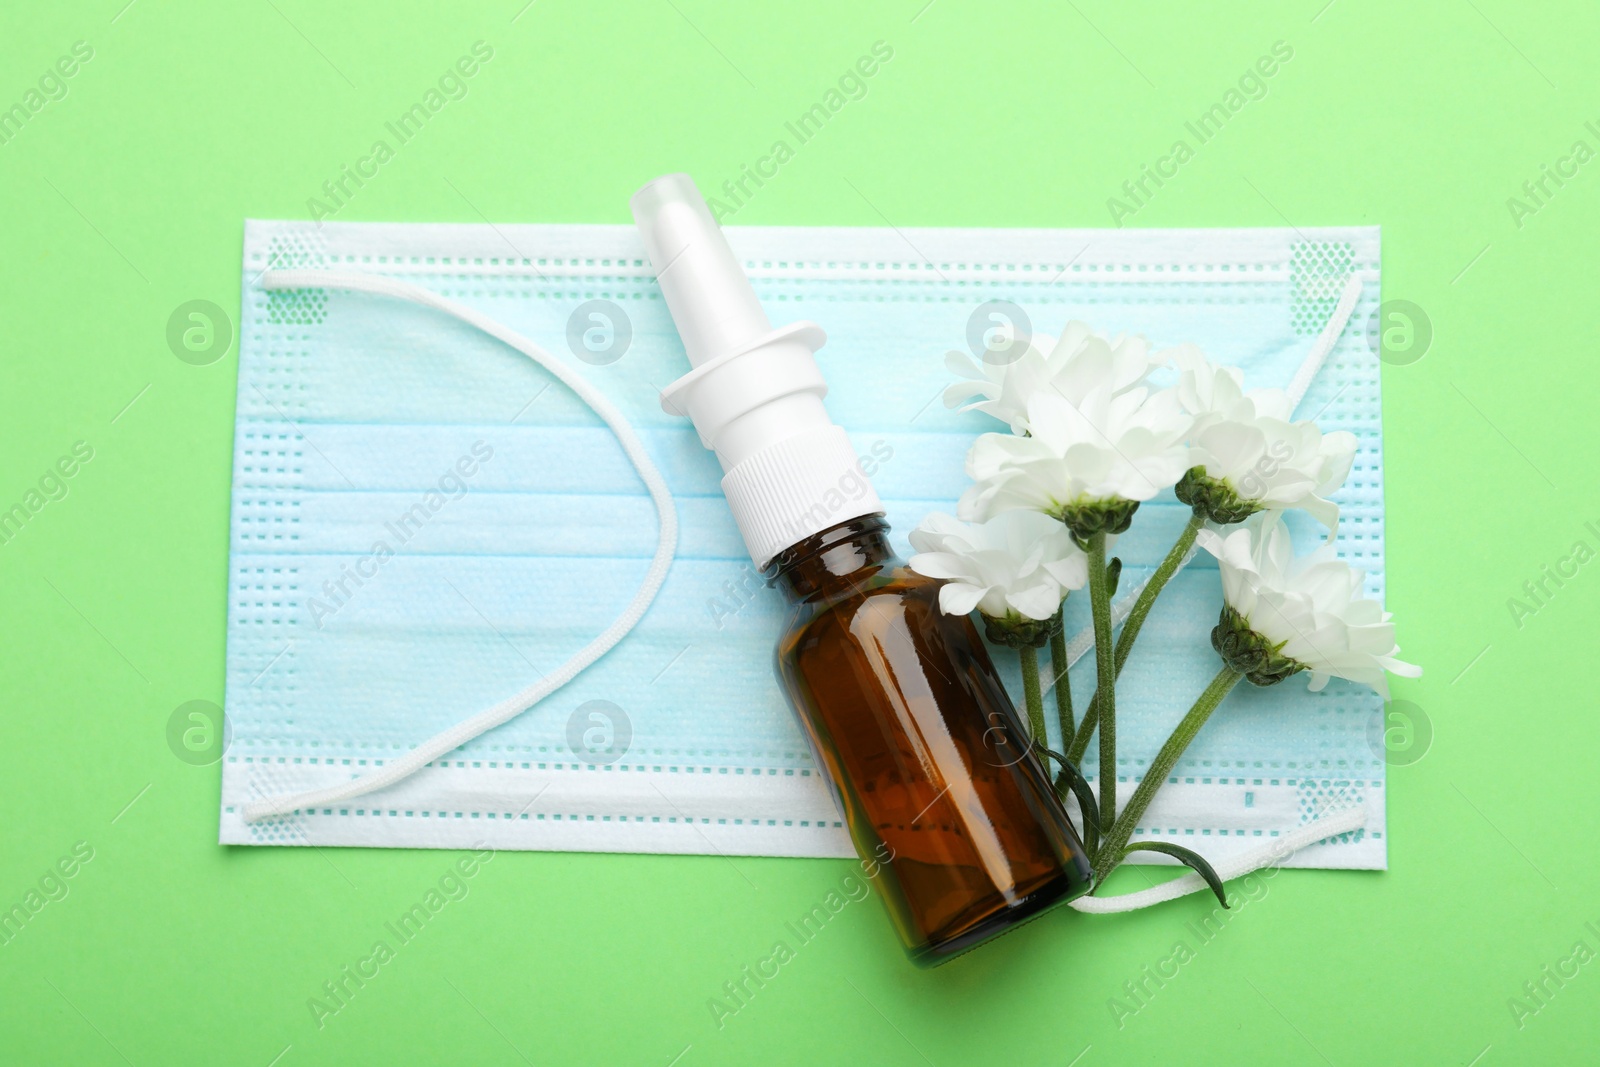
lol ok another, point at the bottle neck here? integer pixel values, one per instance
(842, 556)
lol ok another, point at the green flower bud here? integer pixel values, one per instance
(1247, 652)
(1113, 516)
(1014, 631)
(1214, 498)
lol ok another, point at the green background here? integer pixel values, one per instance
(126, 198)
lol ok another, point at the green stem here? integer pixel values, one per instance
(1105, 676)
(1111, 847)
(1132, 625)
(1030, 691)
(1058, 666)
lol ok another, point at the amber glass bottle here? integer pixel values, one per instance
(951, 813)
(922, 745)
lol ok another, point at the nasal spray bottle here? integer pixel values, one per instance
(946, 804)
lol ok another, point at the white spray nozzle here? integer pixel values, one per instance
(712, 303)
(754, 393)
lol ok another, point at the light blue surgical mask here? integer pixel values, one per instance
(425, 524)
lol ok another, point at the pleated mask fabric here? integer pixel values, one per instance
(424, 522)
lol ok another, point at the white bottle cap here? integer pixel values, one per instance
(754, 392)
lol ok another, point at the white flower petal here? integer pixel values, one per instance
(1248, 441)
(1312, 606)
(1324, 511)
(958, 598)
(1070, 573)
(959, 363)
(1013, 563)
(1068, 367)
(940, 565)
(1038, 602)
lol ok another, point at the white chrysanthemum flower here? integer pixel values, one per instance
(1019, 563)
(1253, 456)
(1298, 614)
(1072, 366)
(1088, 463)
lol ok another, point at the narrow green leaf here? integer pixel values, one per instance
(1074, 780)
(1189, 858)
(1113, 573)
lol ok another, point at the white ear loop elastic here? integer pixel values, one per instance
(1270, 854)
(508, 709)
